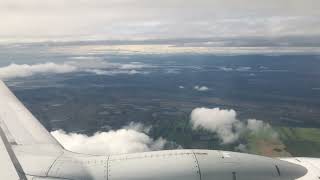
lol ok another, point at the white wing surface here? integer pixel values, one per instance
(26, 147)
(10, 169)
(18, 124)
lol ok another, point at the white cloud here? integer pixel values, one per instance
(225, 123)
(243, 68)
(130, 139)
(181, 87)
(217, 120)
(113, 72)
(226, 69)
(83, 57)
(134, 65)
(24, 70)
(98, 67)
(201, 88)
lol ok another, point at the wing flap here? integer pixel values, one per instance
(10, 168)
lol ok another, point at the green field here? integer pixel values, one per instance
(274, 142)
(300, 141)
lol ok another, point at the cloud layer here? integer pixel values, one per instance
(74, 19)
(97, 67)
(130, 139)
(225, 123)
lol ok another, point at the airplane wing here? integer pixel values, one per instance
(22, 133)
(18, 124)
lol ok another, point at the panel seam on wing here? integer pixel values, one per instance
(48, 171)
(197, 164)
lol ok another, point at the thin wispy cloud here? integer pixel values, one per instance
(239, 69)
(98, 67)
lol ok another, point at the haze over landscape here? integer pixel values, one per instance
(133, 76)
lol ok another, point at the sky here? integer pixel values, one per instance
(72, 20)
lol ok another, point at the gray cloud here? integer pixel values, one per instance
(241, 148)
(74, 19)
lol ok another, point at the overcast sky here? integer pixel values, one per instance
(149, 19)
